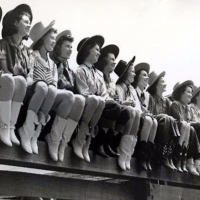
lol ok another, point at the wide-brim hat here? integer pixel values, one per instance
(84, 42)
(178, 86)
(0, 13)
(142, 66)
(38, 31)
(195, 92)
(122, 67)
(153, 77)
(64, 33)
(112, 48)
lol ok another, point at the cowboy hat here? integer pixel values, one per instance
(38, 31)
(142, 66)
(84, 42)
(110, 49)
(153, 77)
(0, 13)
(66, 33)
(178, 86)
(195, 92)
(122, 67)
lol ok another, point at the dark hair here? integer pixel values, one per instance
(57, 49)
(9, 27)
(40, 42)
(194, 99)
(136, 79)
(152, 90)
(86, 51)
(179, 92)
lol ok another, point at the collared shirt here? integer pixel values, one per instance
(195, 113)
(146, 96)
(45, 70)
(90, 81)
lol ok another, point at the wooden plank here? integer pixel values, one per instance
(98, 167)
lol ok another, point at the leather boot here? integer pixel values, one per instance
(86, 149)
(143, 154)
(132, 149)
(54, 137)
(124, 150)
(28, 129)
(184, 159)
(177, 157)
(5, 113)
(15, 109)
(66, 136)
(79, 140)
(151, 146)
(42, 122)
(191, 167)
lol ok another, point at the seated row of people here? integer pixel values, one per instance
(86, 107)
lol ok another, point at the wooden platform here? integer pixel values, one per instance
(77, 179)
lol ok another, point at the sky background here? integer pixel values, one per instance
(163, 33)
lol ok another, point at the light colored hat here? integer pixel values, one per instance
(67, 33)
(153, 77)
(39, 30)
(178, 86)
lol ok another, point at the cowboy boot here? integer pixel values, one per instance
(15, 109)
(42, 122)
(177, 156)
(86, 149)
(184, 158)
(191, 167)
(55, 135)
(108, 142)
(143, 154)
(66, 136)
(27, 131)
(197, 165)
(132, 149)
(79, 140)
(124, 150)
(5, 108)
(151, 146)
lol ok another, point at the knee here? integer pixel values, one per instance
(52, 91)
(155, 123)
(101, 103)
(92, 101)
(79, 101)
(20, 82)
(41, 88)
(69, 97)
(8, 81)
(148, 121)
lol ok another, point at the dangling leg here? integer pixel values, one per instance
(19, 93)
(7, 86)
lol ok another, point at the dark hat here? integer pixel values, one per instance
(84, 42)
(10, 17)
(195, 92)
(178, 86)
(122, 68)
(110, 49)
(142, 66)
(153, 77)
(0, 13)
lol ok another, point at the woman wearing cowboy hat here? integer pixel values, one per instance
(16, 27)
(127, 120)
(138, 75)
(167, 131)
(89, 81)
(182, 94)
(60, 101)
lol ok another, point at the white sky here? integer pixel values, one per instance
(164, 33)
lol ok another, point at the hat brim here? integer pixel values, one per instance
(0, 14)
(66, 33)
(23, 7)
(189, 82)
(142, 66)
(43, 33)
(162, 74)
(97, 39)
(110, 49)
(195, 93)
(127, 67)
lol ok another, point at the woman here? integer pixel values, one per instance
(15, 70)
(90, 83)
(127, 93)
(44, 40)
(167, 131)
(127, 121)
(188, 145)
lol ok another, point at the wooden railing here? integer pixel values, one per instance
(77, 179)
